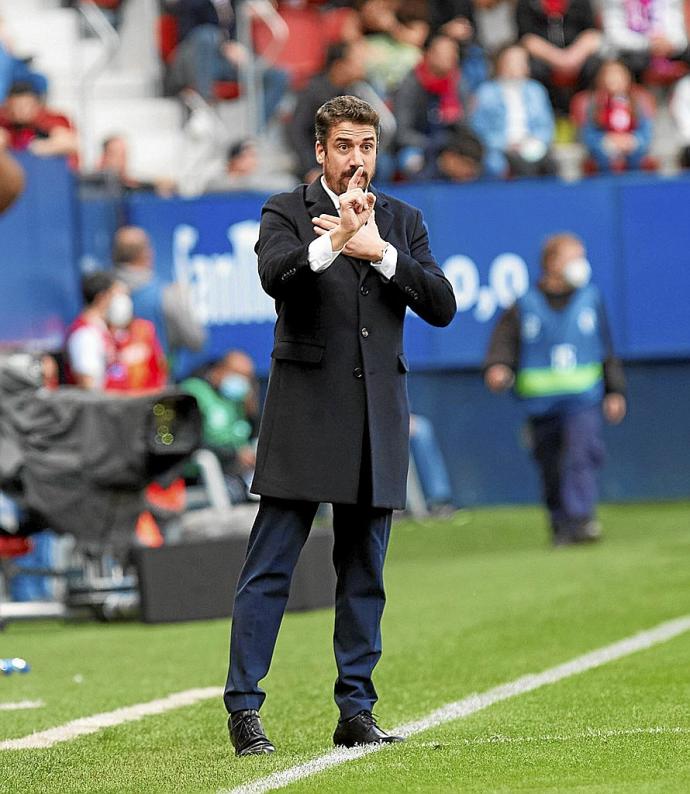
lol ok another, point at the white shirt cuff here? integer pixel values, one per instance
(321, 253)
(386, 267)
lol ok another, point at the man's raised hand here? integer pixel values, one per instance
(355, 210)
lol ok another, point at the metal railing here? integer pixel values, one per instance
(252, 71)
(99, 24)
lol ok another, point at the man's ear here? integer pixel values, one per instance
(320, 152)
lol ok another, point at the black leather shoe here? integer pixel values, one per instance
(362, 729)
(247, 733)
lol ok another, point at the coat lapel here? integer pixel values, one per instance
(318, 202)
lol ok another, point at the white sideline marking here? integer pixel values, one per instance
(476, 702)
(108, 719)
(22, 704)
(590, 733)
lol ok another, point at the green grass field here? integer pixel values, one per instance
(473, 602)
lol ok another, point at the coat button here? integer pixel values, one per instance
(365, 333)
(357, 372)
(364, 290)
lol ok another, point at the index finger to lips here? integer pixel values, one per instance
(355, 178)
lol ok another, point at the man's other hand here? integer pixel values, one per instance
(365, 244)
(615, 408)
(498, 377)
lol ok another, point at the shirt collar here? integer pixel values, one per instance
(333, 197)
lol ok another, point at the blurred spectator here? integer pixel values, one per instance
(90, 360)
(428, 102)
(242, 172)
(456, 19)
(17, 70)
(562, 41)
(167, 306)
(680, 110)
(138, 352)
(513, 116)
(553, 345)
(28, 124)
(113, 169)
(456, 156)
(638, 32)
(495, 24)
(618, 130)
(208, 51)
(227, 394)
(344, 74)
(395, 34)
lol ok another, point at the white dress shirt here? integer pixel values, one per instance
(322, 255)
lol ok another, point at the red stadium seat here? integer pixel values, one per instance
(167, 43)
(305, 50)
(167, 36)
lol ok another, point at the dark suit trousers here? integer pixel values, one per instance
(281, 528)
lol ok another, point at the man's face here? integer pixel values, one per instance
(354, 61)
(115, 155)
(513, 64)
(614, 78)
(566, 252)
(349, 145)
(442, 56)
(457, 167)
(23, 108)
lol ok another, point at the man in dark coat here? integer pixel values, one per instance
(336, 421)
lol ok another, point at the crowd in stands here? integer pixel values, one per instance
(466, 89)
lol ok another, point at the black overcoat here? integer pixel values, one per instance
(338, 359)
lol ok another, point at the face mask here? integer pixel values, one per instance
(577, 272)
(120, 310)
(235, 387)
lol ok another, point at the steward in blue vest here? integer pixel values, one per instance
(554, 348)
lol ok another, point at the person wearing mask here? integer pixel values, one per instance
(553, 347)
(138, 351)
(513, 116)
(227, 395)
(166, 305)
(90, 355)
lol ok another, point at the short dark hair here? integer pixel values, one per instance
(239, 147)
(336, 52)
(463, 141)
(552, 243)
(95, 284)
(344, 108)
(22, 87)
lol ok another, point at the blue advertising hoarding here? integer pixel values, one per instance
(487, 238)
(39, 280)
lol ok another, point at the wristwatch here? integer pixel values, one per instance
(383, 253)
